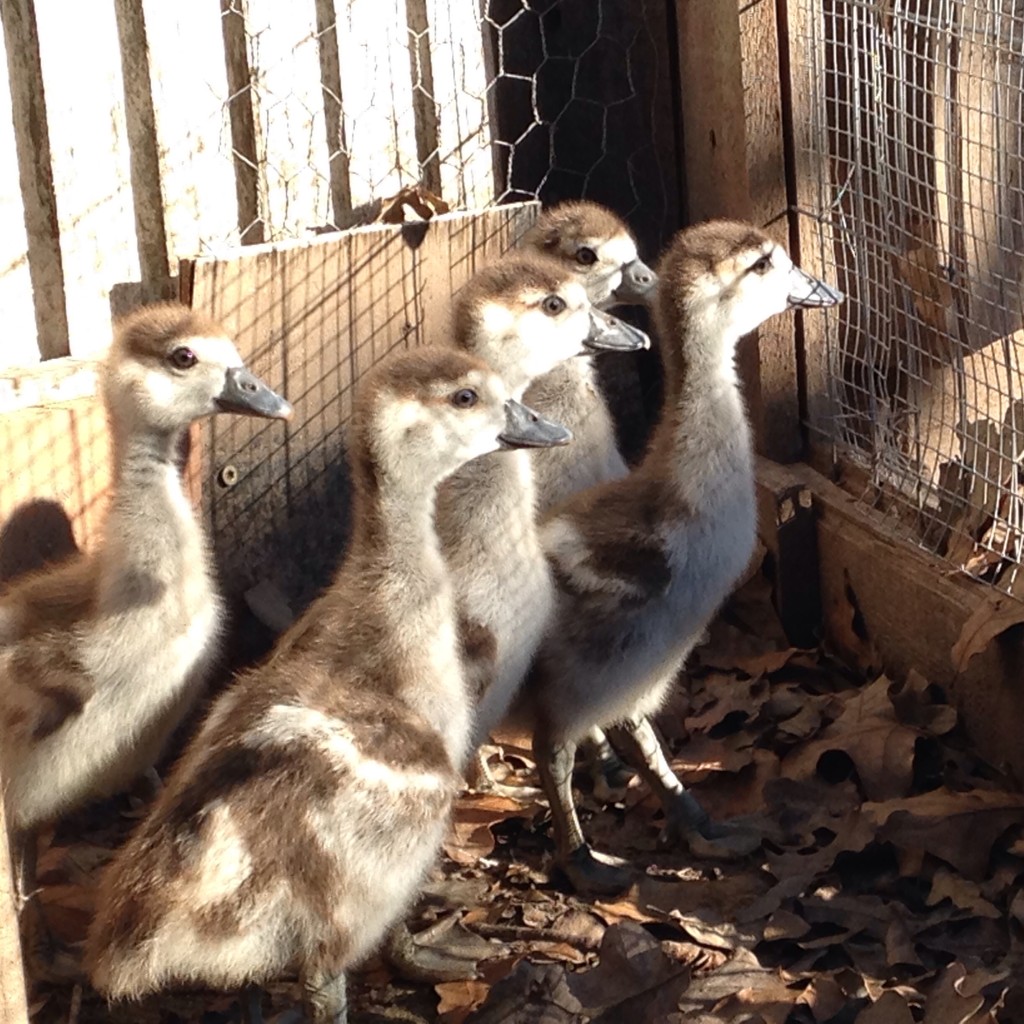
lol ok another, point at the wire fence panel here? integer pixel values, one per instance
(913, 141)
(195, 127)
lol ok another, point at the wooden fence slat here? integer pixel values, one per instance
(142, 140)
(35, 172)
(147, 193)
(334, 123)
(424, 105)
(781, 437)
(243, 121)
(801, 34)
(714, 139)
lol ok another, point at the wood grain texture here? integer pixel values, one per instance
(35, 173)
(912, 609)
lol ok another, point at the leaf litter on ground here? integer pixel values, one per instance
(885, 889)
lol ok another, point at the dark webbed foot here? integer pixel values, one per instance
(326, 999)
(418, 961)
(687, 825)
(596, 874)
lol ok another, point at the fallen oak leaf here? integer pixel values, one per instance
(958, 828)
(992, 617)
(961, 892)
(890, 1008)
(458, 999)
(470, 836)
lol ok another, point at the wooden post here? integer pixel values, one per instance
(424, 106)
(781, 438)
(714, 139)
(330, 82)
(13, 1006)
(35, 173)
(243, 122)
(147, 194)
(799, 30)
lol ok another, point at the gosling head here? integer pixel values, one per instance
(420, 415)
(598, 247)
(169, 366)
(725, 278)
(527, 313)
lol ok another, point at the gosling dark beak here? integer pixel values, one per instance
(806, 292)
(638, 283)
(525, 428)
(610, 334)
(244, 392)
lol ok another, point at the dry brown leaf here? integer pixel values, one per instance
(458, 999)
(890, 1008)
(946, 1004)
(993, 616)
(824, 997)
(470, 837)
(959, 828)
(963, 893)
(630, 962)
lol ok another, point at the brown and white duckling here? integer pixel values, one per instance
(643, 563)
(101, 656)
(523, 316)
(599, 248)
(300, 821)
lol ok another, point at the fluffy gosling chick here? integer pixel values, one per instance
(101, 656)
(644, 562)
(600, 250)
(300, 822)
(523, 316)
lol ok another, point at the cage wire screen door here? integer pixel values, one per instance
(912, 196)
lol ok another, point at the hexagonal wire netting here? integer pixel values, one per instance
(912, 149)
(334, 105)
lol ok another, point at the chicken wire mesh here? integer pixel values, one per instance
(912, 196)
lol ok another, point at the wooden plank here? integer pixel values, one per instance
(241, 104)
(55, 448)
(13, 1005)
(147, 193)
(912, 609)
(781, 436)
(801, 38)
(787, 528)
(311, 317)
(334, 125)
(35, 172)
(714, 140)
(424, 106)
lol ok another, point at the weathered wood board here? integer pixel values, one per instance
(311, 318)
(54, 455)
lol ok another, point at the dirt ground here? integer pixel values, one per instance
(886, 890)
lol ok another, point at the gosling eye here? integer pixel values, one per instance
(183, 358)
(763, 265)
(586, 256)
(465, 398)
(553, 305)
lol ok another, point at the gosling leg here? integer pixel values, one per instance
(326, 998)
(610, 774)
(638, 740)
(573, 855)
(251, 999)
